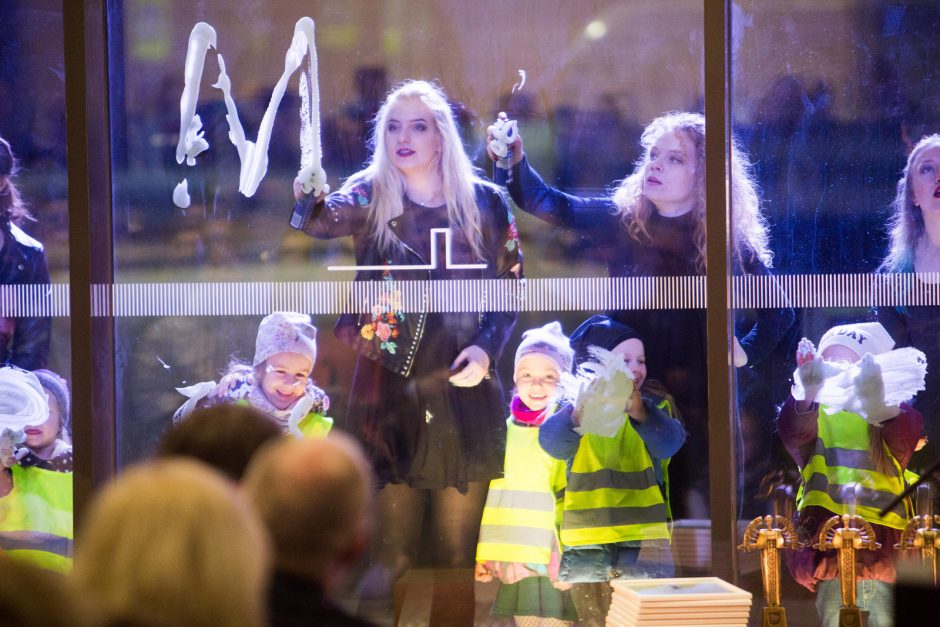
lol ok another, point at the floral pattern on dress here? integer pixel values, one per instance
(387, 316)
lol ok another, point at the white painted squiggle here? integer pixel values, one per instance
(181, 195)
(252, 155)
(200, 39)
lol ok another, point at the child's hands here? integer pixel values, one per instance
(224, 386)
(870, 392)
(810, 368)
(9, 438)
(482, 573)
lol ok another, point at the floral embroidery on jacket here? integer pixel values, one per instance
(387, 315)
(512, 235)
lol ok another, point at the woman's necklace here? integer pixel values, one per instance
(433, 200)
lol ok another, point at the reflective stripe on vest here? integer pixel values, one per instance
(519, 519)
(842, 457)
(612, 493)
(36, 517)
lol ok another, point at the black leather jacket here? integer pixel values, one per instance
(382, 329)
(24, 341)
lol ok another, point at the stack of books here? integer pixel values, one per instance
(697, 601)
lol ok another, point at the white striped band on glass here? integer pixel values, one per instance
(543, 294)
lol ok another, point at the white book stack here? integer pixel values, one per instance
(694, 601)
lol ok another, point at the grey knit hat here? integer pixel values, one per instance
(57, 388)
(547, 340)
(285, 332)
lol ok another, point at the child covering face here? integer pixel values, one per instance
(604, 523)
(277, 382)
(36, 479)
(845, 425)
(518, 534)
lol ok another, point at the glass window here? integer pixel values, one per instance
(420, 319)
(829, 100)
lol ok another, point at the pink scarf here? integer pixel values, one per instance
(525, 416)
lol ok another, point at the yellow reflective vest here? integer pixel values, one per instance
(36, 518)
(313, 425)
(519, 519)
(612, 493)
(842, 457)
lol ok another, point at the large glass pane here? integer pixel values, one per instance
(35, 422)
(830, 98)
(195, 278)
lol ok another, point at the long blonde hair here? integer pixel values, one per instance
(458, 175)
(173, 542)
(749, 227)
(907, 220)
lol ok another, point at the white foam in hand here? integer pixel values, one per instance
(869, 391)
(505, 132)
(312, 178)
(298, 413)
(607, 385)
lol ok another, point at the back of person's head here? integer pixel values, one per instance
(224, 436)
(314, 496)
(33, 597)
(172, 542)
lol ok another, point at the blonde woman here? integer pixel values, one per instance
(915, 247)
(425, 400)
(653, 224)
(173, 542)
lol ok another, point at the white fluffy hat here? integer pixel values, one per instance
(864, 337)
(549, 341)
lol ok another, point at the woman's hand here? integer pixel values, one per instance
(473, 364)
(740, 357)
(504, 132)
(300, 195)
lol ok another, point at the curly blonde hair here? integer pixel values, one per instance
(907, 220)
(12, 208)
(457, 173)
(749, 227)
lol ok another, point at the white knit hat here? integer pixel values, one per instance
(548, 341)
(864, 337)
(285, 332)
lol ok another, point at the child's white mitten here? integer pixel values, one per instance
(870, 392)
(601, 405)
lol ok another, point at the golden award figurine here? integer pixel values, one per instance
(855, 534)
(921, 532)
(776, 534)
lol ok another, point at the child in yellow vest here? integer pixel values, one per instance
(278, 380)
(35, 479)
(518, 537)
(615, 499)
(846, 425)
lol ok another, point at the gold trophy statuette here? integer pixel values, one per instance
(776, 534)
(921, 532)
(855, 534)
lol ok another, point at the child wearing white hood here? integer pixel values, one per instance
(278, 381)
(847, 426)
(35, 479)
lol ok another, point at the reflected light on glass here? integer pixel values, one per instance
(595, 30)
